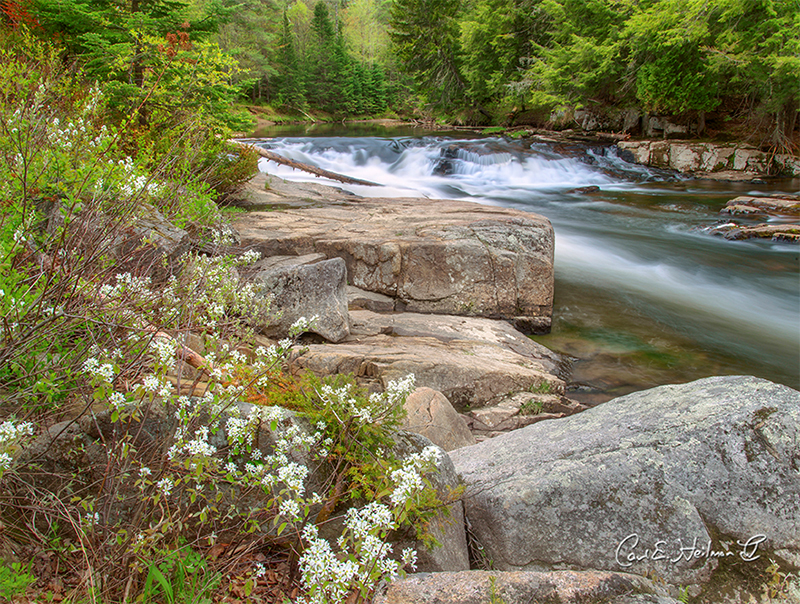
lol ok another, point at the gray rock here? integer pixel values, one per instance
(145, 243)
(471, 361)
(447, 527)
(724, 160)
(430, 414)
(713, 461)
(519, 410)
(140, 248)
(775, 205)
(360, 299)
(305, 286)
(440, 256)
(565, 587)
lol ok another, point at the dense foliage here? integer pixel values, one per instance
(674, 57)
(479, 61)
(320, 71)
(129, 457)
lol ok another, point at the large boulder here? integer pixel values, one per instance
(450, 257)
(565, 587)
(146, 243)
(305, 286)
(666, 481)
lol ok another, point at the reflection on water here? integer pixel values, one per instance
(643, 295)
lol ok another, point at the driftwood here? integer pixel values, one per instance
(183, 352)
(306, 167)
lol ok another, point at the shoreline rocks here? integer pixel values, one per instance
(474, 362)
(783, 212)
(718, 161)
(709, 462)
(304, 286)
(442, 256)
(476, 260)
(482, 587)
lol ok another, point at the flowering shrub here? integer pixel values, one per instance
(70, 188)
(11, 433)
(212, 476)
(183, 434)
(199, 477)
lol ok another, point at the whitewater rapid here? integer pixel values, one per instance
(626, 230)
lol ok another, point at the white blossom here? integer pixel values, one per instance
(93, 367)
(409, 558)
(289, 508)
(371, 518)
(165, 485)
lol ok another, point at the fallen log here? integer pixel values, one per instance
(306, 167)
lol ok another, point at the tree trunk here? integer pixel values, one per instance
(138, 70)
(790, 120)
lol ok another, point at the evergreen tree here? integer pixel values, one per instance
(324, 61)
(252, 35)
(132, 44)
(379, 96)
(290, 80)
(425, 34)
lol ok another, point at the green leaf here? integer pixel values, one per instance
(155, 573)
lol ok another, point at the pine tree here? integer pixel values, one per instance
(289, 82)
(425, 34)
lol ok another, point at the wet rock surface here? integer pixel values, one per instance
(747, 212)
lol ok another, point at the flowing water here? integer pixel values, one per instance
(644, 296)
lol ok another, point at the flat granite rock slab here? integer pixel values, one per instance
(472, 361)
(447, 328)
(484, 587)
(432, 256)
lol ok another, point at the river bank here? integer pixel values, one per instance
(509, 392)
(644, 294)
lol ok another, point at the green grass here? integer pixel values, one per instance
(531, 407)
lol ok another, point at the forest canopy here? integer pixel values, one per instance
(475, 61)
(674, 57)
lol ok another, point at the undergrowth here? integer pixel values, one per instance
(151, 447)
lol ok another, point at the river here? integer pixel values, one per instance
(644, 296)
